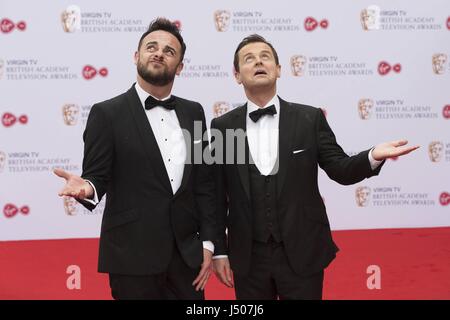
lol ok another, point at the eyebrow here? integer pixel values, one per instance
(251, 53)
(170, 48)
(150, 42)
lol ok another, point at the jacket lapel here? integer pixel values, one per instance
(240, 122)
(148, 138)
(286, 135)
(186, 123)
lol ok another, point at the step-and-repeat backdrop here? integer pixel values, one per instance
(380, 70)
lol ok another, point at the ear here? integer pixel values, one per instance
(278, 72)
(237, 76)
(179, 68)
(136, 57)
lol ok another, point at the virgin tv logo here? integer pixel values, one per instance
(8, 119)
(7, 25)
(89, 72)
(384, 68)
(311, 24)
(10, 210)
(444, 198)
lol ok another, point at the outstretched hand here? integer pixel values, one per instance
(392, 149)
(75, 187)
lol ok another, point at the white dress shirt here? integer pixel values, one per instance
(171, 143)
(262, 137)
(168, 135)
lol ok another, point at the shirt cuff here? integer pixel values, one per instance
(93, 201)
(208, 245)
(221, 256)
(373, 163)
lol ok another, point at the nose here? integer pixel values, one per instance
(158, 54)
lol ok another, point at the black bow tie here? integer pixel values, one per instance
(151, 102)
(255, 115)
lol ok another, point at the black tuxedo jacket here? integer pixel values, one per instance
(143, 219)
(303, 221)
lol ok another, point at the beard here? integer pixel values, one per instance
(159, 79)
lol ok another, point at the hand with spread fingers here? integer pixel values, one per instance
(75, 187)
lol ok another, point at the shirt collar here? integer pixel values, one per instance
(251, 106)
(143, 95)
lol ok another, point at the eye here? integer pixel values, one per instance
(170, 53)
(151, 47)
(265, 56)
(248, 59)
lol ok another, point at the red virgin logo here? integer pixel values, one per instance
(8, 119)
(446, 111)
(311, 24)
(384, 68)
(10, 210)
(177, 23)
(89, 72)
(444, 198)
(6, 25)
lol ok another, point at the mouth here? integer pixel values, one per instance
(260, 72)
(157, 62)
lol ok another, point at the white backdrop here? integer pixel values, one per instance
(389, 68)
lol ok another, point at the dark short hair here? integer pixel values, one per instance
(168, 26)
(251, 39)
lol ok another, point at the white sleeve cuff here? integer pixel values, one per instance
(373, 163)
(221, 256)
(208, 245)
(93, 201)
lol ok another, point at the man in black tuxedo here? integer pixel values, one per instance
(159, 219)
(278, 239)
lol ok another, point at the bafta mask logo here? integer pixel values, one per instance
(362, 196)
(220, 108)
(222, 20)
(70, 206)
(365, 108)
(436, 151)
(71, 19)
(70, 114)
(298, 65)
(370, 18)
(2, 65)
(439, 61)
(2, 161)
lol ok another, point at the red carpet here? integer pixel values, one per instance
(414, 264)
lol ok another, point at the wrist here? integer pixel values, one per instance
(89, 191)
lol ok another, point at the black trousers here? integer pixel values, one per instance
(271, 277)
(173, 284)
